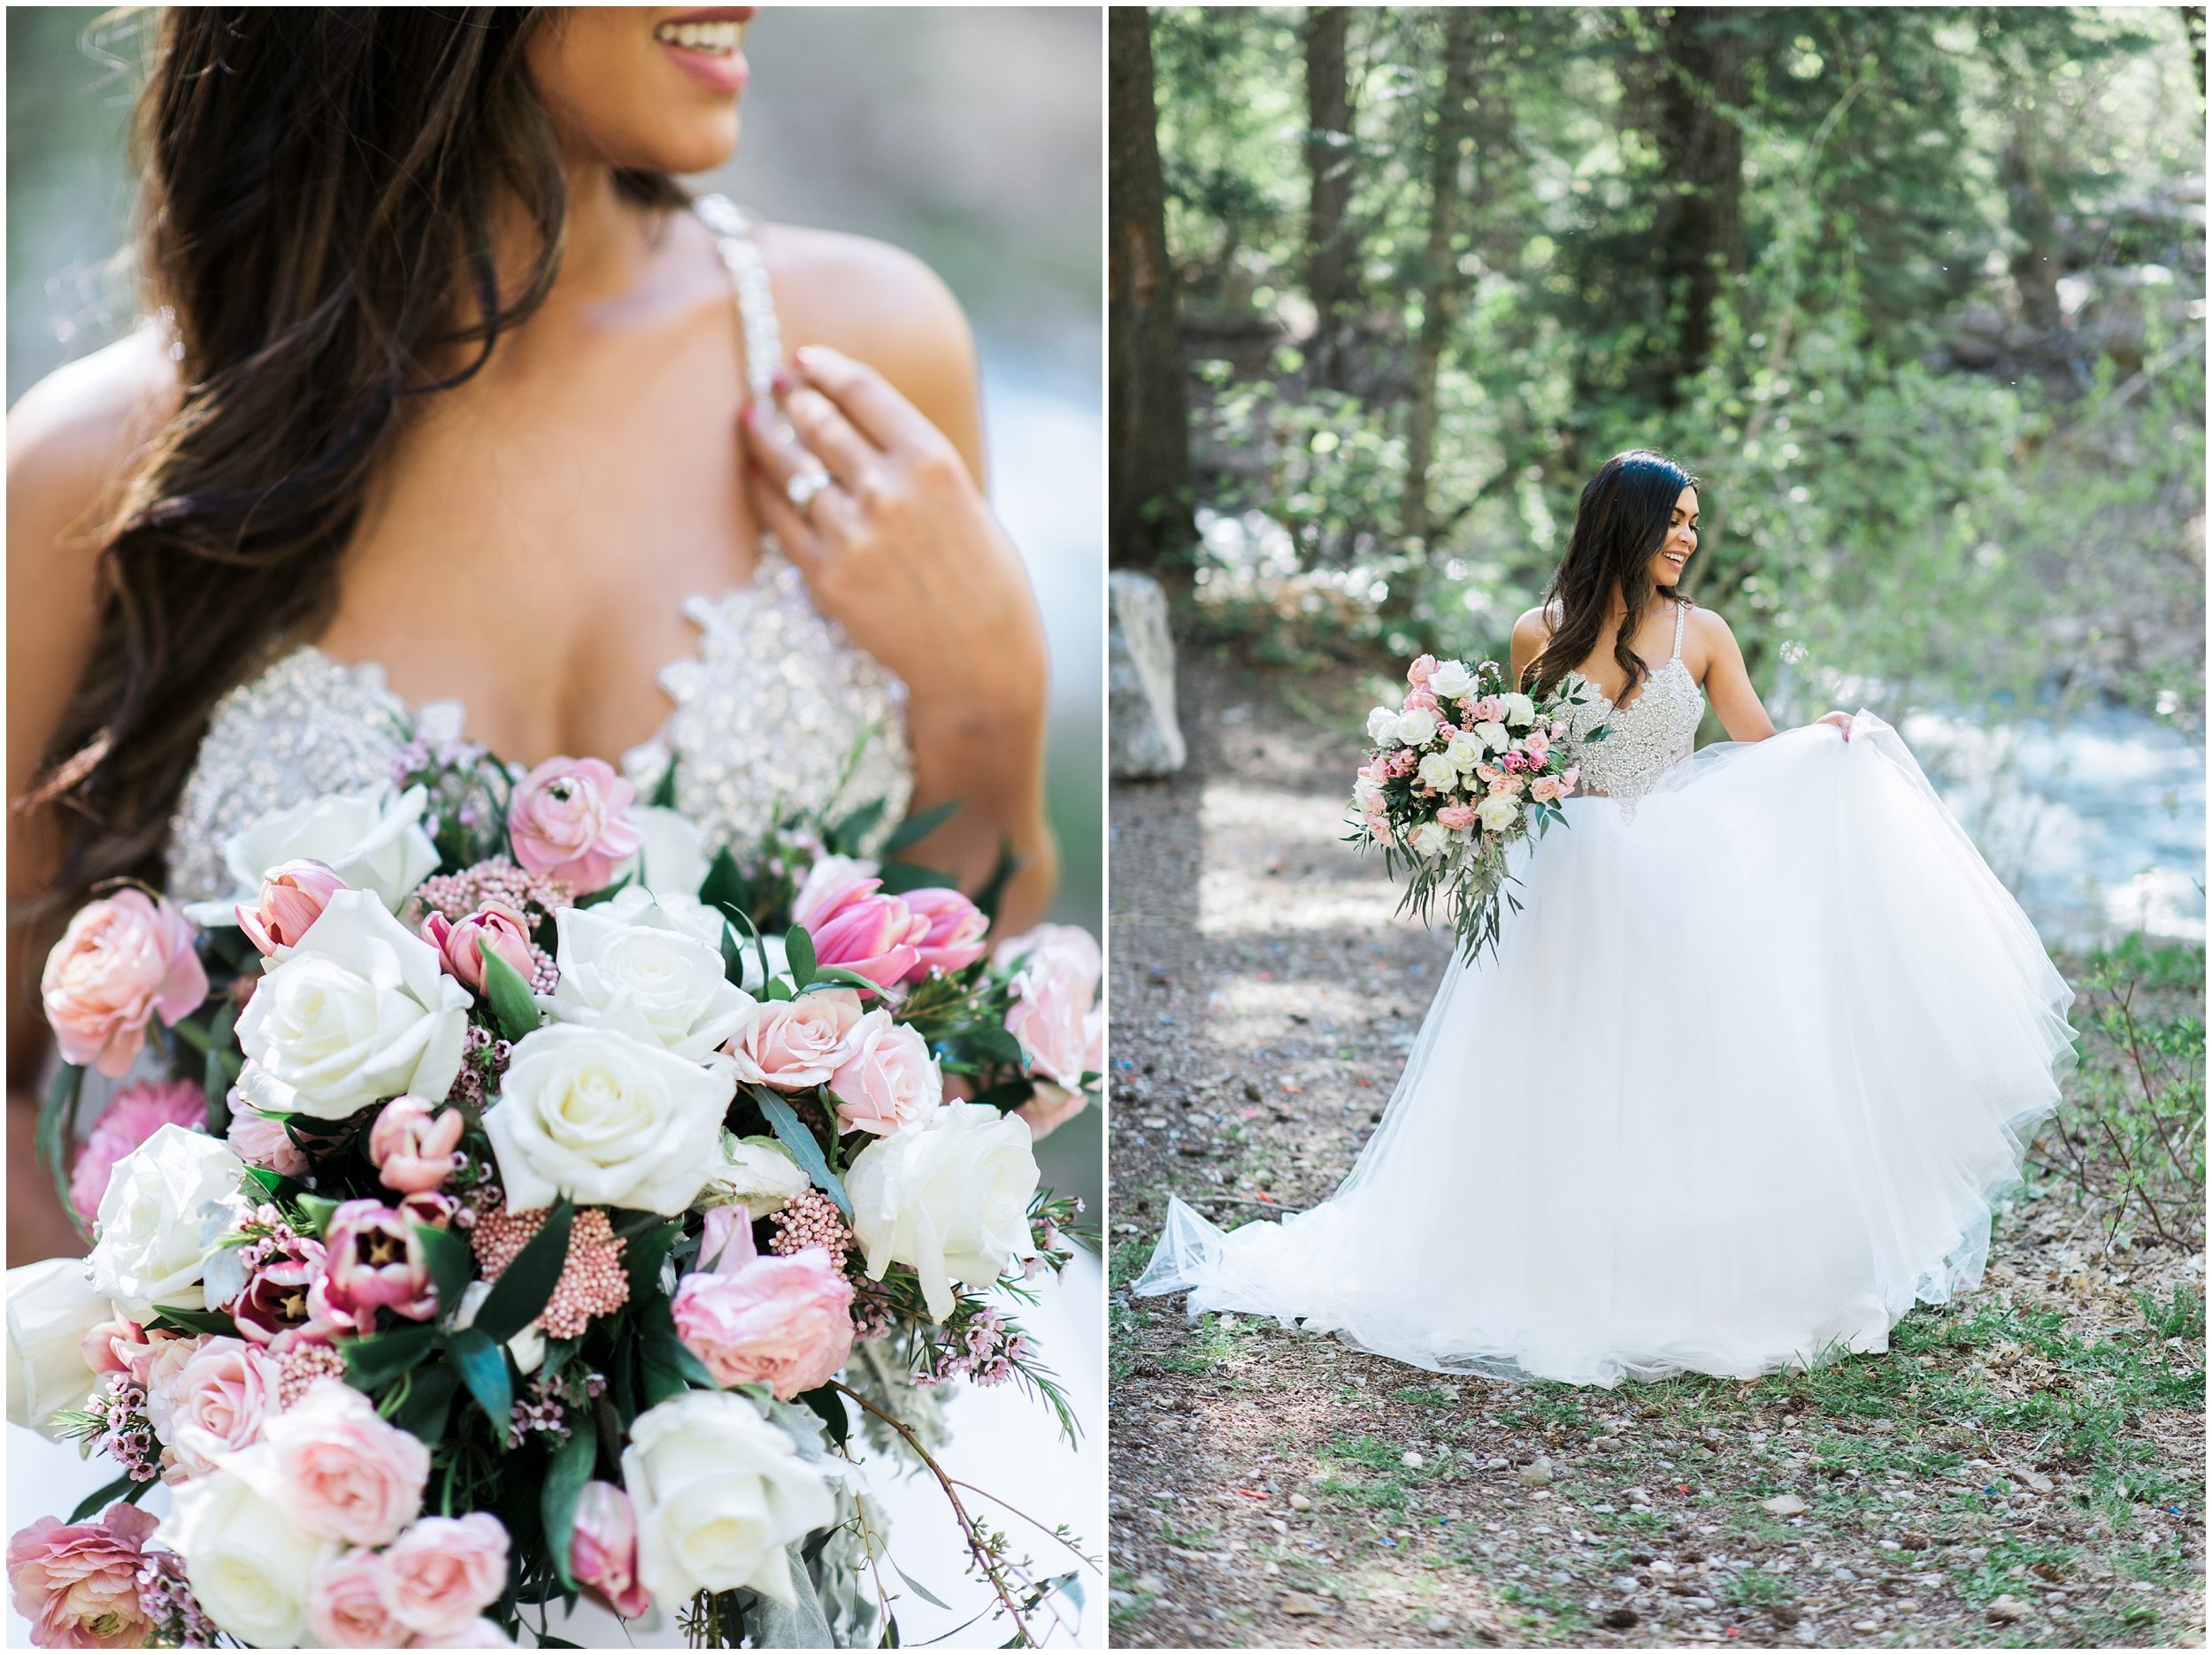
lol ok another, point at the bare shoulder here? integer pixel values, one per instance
(880, 305)
(73, 437)
(1706, 629)
(1533, 631)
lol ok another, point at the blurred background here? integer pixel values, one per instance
(1919, 292)
(969, 137)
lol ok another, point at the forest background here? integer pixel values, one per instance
(1919, 292)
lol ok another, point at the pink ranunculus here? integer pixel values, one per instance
(374, 1258)
(887, 1079)
(77, 1584)
(274, 1301)
(293, 897)
(345, 1605)
(1050, 1107)
(602, 1549)
(495, 926)
(444, 1569)
(798, 1043)
(1421, 671)
(954, 940)
(136, 1115)
(260, 1142)
(340, 1473)
(123, 958)
(1457, 815)
(871, 934)
(569, 819)
(222, 1401)
(785, 1322)
(412, 1144)
(1051, 1017)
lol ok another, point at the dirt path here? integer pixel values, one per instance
(2023, 1468)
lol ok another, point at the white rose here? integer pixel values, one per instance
(1429, 838)
(1437, 771)
(608, 1118)
(1497, 812)
(948, 1196)
(362, 1010)
(1367, 796)
(374, 840)
(51, 1307)
(667, 907)
(1493, 736)
(1518, 708)
(1382, 725)
(648, 980)
(1415, 725)
(718, 1493)
(1451, 680)
(248, 1563)
(153, 1225)
(761, 1174)
(1465, 751)
(674, 857)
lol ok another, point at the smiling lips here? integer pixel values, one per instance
(708, 47)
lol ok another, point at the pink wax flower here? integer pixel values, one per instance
(260, 1142)
(493, 925)
(602, 1550)
(77, 1584)
(569, 819)
(123, 958)
(293, 897)
(798, 1043)
(1050, 1107)
(954, 940)
(135, 1116)
(1061, 1034)
(345, 1605)
(221, 1400)
(444, 1569)
(412, 1144)
(784, 1323)
(340, 1473)
(852, 923)
(274, 1301)
(1421, 671)
(1456, 817)
(374, 1258)
(887, 1079)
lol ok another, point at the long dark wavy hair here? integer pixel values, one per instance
(321, 187)
(1620, 521)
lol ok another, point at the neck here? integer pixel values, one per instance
(605, 243)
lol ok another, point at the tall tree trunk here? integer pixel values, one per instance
(1149, 490)
(1439, 272)
(2038, 261)
(1699, 227)
(1328, 167)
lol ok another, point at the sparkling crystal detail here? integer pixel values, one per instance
(1651, 734)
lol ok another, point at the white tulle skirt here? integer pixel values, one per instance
(1741, 1083)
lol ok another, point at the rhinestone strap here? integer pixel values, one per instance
(755, 308)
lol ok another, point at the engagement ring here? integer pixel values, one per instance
(800, 490)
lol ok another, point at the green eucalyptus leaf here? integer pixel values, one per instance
(452, 1265)
(917, 828)
(798, 951)
(525, 1286)
(429, 1402)
(382, 1357)
(791, 1133)
(564, 1481)
(216, 1072)
(483, 1364)
(509, 996)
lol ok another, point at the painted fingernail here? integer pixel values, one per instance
(808, 355)
(784, 380)
(751, 415)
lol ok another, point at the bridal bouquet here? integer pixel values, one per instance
(518, 1221)
(1463, 769)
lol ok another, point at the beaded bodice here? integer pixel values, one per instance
(776, 711)
(1648, 736)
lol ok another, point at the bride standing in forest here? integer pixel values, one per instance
(1745, 1074)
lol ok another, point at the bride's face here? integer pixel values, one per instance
(1674, 551)
(651, 88)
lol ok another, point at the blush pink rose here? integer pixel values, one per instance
(1061, 1035)
(123, 958)
(341, 1473)
(293, 897)
(260, 1142)
(1567, 781)
(413, 1145)
(345, 1605)
(495, 926)
(1536, 744)
(1421, 671)
(1050, 1107)
(1062, 951)
(954, 940)
(1544, 789)
(569, 819)
(444, 1569)
(373, 1259)
(602, 1549)
(158, 1366)
(784, 1323)
(1457, 815)
(798, 1043)
(887, 1079)
(1420, 700)
(77, 1584)
(222, 1401)
(135, 1116)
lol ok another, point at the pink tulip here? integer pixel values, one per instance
(77, 1584)
(569, 819)
(123, 958)
(135, 1116)
(274, 1301)
(412, 1144)
(293, 897)
(602, 1549)
(374, 1259)
(493, 925)
(852, 924)
(954, 940)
